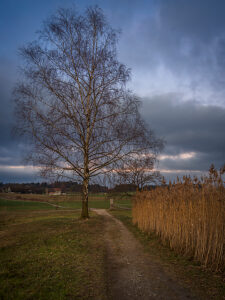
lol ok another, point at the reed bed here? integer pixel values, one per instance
(189, 215)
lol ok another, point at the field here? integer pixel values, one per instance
(12, 205)
(47, 252)
(51, 255)
(13, 201)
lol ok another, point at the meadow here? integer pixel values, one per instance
(48, 252)
(13, 201)
(51, 254)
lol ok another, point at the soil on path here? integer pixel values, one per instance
(131, 272)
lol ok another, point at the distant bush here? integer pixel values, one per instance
(189, 215)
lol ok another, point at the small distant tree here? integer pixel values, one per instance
(139, 171)
(73, 103)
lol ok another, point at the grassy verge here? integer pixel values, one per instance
(14, 205)
(206, 284)
(51, 255)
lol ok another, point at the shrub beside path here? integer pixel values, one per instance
(131, 274)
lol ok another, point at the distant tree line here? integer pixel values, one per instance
(40, 188)
(66, 187)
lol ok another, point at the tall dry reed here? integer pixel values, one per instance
(189, 215)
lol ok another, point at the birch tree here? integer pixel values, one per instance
(138, 171)
(72, 102)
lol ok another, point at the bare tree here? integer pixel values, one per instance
(138, 170)
(73, 102)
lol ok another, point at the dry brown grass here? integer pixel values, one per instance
(189, 215)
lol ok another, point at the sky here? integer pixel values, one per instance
(176, 51)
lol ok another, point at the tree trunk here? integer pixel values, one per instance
(84, 213)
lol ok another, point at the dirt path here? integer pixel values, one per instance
(131, 273)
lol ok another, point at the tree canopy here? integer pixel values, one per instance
(73, 103)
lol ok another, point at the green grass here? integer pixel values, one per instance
(126, 203)
(12, 205)
(11, 202)
(78, 204)
(207, 284)
(51, 255)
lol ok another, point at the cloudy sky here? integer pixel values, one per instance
(176, 50)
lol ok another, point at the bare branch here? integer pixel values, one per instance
(73, 103)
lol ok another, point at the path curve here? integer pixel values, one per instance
(131, 274)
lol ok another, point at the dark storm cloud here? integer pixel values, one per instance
(187, 127)
(180, 27)
(174, 47)
(11, 146)
(186, 38)
(6, 109)
(199, 19)
(194, 31)
(200, 162)
(26, 174)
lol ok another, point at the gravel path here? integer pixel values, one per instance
(131, 272)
